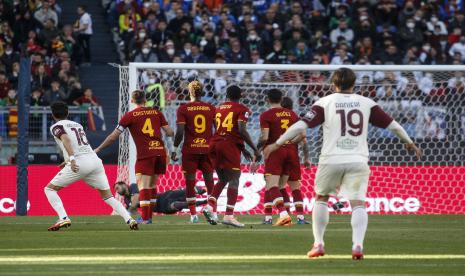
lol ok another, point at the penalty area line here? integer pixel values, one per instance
(108, 259)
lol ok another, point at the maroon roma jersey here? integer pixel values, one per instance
(145, 124)
(227, 118)
(277, 120)
(198, 120)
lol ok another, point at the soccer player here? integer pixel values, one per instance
(343, 166)
(273, 123)
(169, 202)
(195, 125)
(81, 163)
(145, 125)
(225, 152)
(294, 173)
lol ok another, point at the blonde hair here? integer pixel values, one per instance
(195, 88)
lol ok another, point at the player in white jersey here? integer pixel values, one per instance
(81, 163)
(343, 166)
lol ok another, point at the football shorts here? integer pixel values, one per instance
(293, 168)
(151, 165)
(282, 162)
(225, 154)
(90, 170)
(193, 162)
(349, 180)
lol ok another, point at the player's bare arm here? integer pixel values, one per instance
(67, 144)
(292, 132)
(109, 140)
(400, 132)
(177, 140)
(264, 135)
(168, 131)
(242, 127)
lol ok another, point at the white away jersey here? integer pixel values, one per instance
(76, 134)
(345, 118)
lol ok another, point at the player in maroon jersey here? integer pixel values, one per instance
(195, 125)
(225, 152)
(145, 125)
(273, 123)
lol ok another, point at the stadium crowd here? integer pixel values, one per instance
(33, 28)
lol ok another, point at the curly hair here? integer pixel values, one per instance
(195, 88)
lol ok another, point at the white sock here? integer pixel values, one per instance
(56, 202)
(300, 217)
(268, 217)
(118, 208)
(283, 214)
(320, 218)
(359, 223)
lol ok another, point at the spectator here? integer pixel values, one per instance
(9, 57)
(343, 31)
(11, 99)
(56, 93)
(146, 55)
(161, 34)
(14, 75)
(196, 56)
(167, 53)
(278, 55)
(434, 23)
(457, 80)
(5, 85)
(458, 47)
(237, 54)
(48, 33)
(37, 98)
(83, 27)
(88, 99)
(410, 35)
(302, 53)
(46, 13)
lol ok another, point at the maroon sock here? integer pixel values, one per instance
(190, 196)
(287, 201)
(232, 199)
(268, 204)
(277, 199)
(144, 202)
(153, 200)
(217, 189)
(209, 185)
(298, 201)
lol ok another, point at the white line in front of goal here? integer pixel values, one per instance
(100, 259)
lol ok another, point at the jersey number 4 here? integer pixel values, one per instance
(147, 128)
(227, 122)
(356, 128)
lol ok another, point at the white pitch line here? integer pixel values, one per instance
(106, 259)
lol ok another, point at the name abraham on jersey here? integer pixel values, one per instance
(198, 108)
(144, 112)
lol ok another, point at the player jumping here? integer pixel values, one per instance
(81, 163)
(225, 152)
(145, 126)
(195, 125)
(169, 202)
(343, 166)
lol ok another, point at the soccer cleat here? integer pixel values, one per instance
(284, 221)
(61, 223)
(267, 221)
(232, 221)
(357, 253)
(316, 251)
(133, 225)
(149, 221)
(199, 190)
(302, 221)
(194, 219)
(209, 216)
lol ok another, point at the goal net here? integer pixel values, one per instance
(429, 101)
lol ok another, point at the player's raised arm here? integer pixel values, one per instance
(109, 140)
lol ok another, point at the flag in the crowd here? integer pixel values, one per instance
(94, 121)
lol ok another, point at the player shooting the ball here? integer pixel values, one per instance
(343, 167)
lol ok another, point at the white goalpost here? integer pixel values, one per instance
(429, 101)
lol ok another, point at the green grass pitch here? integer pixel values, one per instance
(395, 245)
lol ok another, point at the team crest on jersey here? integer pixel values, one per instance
(310, 115)
(154, 144)
(247, 115)
(199, 141)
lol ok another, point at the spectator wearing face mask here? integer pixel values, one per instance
(146, 55)
(410, 34)
(9, 57)
(167, 54)
(433, 23)
(458, 47)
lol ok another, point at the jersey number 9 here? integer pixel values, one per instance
(200, 123)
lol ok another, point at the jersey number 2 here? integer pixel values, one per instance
(356, 129)
(147, 128)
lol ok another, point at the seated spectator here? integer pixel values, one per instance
(37, 98)
(302, 53)
(88, 99)
(458, 47)
(56, 93)
(11, 98)
(457, 80)
(14, 75)
(161, 34)
(9, 57)
(166, 54)
(46, 13)
(277, 55)
(48, 33)
(196, 56)
(434, 23)
(5, 85)
(146, 55)
(237, 54)
(410, 34)
(342, 30)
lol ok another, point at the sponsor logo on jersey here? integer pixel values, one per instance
(199, 141)
(247, 115)
(347, 144)
(154, 144)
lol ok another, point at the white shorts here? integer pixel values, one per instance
(90, 170)
(348, 180)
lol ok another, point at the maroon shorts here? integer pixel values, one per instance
(151, 165)
(225, 154)
(193, 162)
(282, 162)
(293, 169)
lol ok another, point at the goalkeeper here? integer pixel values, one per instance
(169, 202)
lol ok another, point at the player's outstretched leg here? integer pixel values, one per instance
(210, 210)
(118, 208)
(320, 219)
(51, 192)
(268, 209)
(359, 224)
